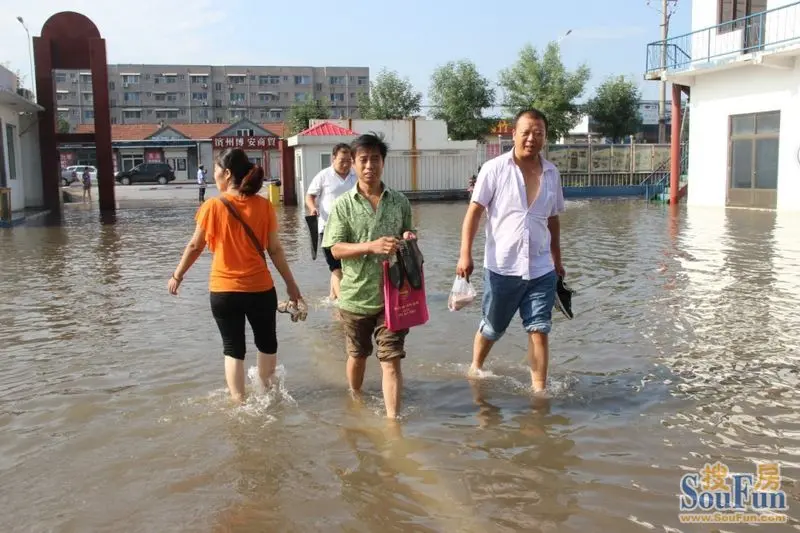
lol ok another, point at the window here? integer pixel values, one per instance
(267, 97)
(200, 97)
(131, 114)
(754, 145)
(363, 80)
(269, 80)
(163, 113)
(130, 78)
(87, 98)
(244, 132)
(88, 114)
(171, 79)
(732, 11)
(300, 97)
(325, 160)
(130, 161)
(11, 134)
(237, 98)
(131, 97)
(198, 79)
(237, 79)
(217, 86)
(255, 160)
(86, 79)
(161, 97)
(61, 77)
(274, 114)
(302, 80)
(336, 80)
(337, 97)
(172, 97)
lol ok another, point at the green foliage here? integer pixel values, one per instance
(390, 97)
(300, 114)
(615, 108)
(62, 125)
(459, 95)
(545, 84)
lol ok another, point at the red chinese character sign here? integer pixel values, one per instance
(153, 155)
(255, 142)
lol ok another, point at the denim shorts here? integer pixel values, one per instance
(505, 295)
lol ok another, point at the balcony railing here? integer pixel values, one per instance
(766, 31)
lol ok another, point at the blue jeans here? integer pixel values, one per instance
(505, 295)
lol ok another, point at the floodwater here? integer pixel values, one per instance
(113, 415)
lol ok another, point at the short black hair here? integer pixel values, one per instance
(533, 113)
(370, 141)
(339, 147)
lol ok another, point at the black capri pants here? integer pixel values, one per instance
(230, 310)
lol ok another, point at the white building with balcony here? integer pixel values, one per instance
(741, 68)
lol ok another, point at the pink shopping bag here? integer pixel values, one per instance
(405, 307)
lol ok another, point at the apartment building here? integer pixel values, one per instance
(199, 94)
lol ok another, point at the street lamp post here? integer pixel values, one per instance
(30, 56)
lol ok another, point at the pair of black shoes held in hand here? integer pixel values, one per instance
(406, 265)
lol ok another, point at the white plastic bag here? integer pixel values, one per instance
(461, 295)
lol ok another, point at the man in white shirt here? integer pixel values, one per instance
(324, 189)
(522, 196)
(201, 182)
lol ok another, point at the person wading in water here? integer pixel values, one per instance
(237, 226)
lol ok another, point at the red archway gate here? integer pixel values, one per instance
(71, 41)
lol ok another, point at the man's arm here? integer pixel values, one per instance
(337, 236)
(482, 196)
(554, 225)
(314, 190)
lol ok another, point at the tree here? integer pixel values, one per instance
(390, 97)
(62, 125)
(301, 114)
(545, 84)
(615, 108)
(459, 95)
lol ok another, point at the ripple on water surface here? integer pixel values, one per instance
(684, 350)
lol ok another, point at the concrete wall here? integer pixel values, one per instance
(747, 89)
(8, 116)
(430, 134)
(31, 160)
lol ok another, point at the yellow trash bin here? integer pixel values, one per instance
(5, 204)
(274, 194)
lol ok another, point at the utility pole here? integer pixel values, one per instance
(668, 7)
(662, 95)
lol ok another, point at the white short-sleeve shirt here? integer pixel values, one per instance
(517, 237)
(327, 186)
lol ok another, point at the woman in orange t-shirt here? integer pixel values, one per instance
(240, 283)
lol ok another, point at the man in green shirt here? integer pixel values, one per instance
(363, 230)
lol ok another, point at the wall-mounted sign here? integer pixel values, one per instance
(245, 142)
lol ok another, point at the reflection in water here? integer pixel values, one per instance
(684, 348)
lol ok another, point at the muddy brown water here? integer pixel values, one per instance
(113, 415)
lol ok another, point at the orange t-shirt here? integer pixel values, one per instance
(237, 266)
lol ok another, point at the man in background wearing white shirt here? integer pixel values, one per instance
(324, 189)
(201, 182)
(520, 191)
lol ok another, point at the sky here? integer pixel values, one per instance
(411, 37)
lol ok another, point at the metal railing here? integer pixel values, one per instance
(767, 30)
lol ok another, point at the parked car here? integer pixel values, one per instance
(74, 173)
(146, 172)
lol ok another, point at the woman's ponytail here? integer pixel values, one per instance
(253, 181)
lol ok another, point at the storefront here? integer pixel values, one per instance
(260, 145)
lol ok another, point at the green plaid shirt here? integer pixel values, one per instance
(353, 221)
